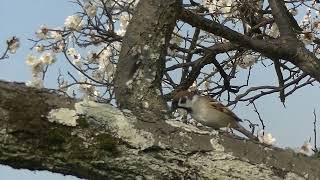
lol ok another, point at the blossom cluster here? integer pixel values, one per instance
(306, 149)
(266, 138)
(218, 6)
(37, 65)
(81, 32)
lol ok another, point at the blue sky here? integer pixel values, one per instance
(22, 19)
(291, 126)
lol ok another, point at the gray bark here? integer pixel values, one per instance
(110, 144)
(142, 57)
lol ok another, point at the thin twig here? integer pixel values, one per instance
(4, 55)
(315, 130)
(252, 126)
(259, 116)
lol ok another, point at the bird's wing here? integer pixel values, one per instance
(220, 107)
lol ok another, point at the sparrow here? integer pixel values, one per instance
(209, 112)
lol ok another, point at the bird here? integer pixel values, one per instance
(208, 112)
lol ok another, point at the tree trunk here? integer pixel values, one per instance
(110, 144)
(142, 58)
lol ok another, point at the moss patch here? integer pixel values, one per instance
(108, 143)
(56, 137)
(82, 122)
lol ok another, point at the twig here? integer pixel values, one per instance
(256, 110)
(276, 63)
(315, 130)
(4, 55)
(252, 126)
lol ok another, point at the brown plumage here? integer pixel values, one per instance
(181, 94)
(208, 111)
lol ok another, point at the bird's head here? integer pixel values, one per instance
(184, 100)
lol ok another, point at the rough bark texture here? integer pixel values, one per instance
(142, 58)
(110, 144)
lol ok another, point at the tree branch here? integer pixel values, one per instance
(284, 19)
(288, 48)
(110, 144)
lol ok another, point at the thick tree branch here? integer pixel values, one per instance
(284, 19)
(288, 48)
(110, 144)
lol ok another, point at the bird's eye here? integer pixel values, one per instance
(183, 100)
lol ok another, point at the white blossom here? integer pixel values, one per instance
(96, 93)
(92, 57)
(90, 9)
(47, 58)
(56, 35)
(36, 70)
(31, 60)
(71, 52)
(274, 31)
(121, 32)
(74, 22)
(39, 48)
(59, 47)
(248, 60)
(42, 33)
(306, 149)
(266, 138)
(88, 90)
(306, 18)
(35, 82)
(76, 57)
(316, 24)
(35, 64)
(105, 54)
(105, 66)
(77, 60)
(124, 21)
(86, 87)
(218, 6)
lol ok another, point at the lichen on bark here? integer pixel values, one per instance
(114, 144)
(142, 57)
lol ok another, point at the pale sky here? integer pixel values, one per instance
(22, 18)
(291, 126)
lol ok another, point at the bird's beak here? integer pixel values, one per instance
(174, 106)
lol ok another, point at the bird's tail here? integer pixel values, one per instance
(245, 132)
